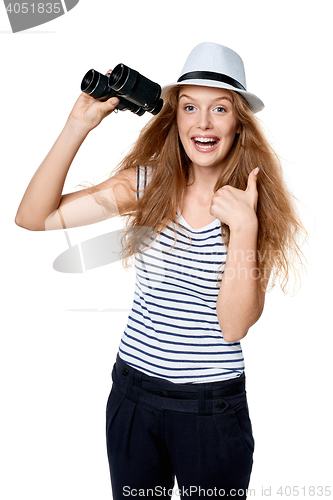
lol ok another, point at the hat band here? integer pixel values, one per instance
(210, 75)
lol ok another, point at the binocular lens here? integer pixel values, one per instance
(90, 81)
(118, 77)
(95, 84)
(157, 108)
(135, 92)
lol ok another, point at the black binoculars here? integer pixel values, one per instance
(134, 91)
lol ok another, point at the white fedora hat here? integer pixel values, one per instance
(213, 65)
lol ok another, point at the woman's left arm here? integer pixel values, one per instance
(241, 300)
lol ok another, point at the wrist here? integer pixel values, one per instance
(76, 127)
(248, 224)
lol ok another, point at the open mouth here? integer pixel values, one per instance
(205, 144)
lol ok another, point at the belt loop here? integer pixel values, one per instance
(129, 384)
(208, 400)
(201, 399)
(204, 399)
(133, 385)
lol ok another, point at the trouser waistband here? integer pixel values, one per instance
(204, 399)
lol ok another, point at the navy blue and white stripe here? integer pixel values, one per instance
(172, 330)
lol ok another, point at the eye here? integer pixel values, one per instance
(220, 109)
(189, 108)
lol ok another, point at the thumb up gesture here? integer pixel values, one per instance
(235, 207)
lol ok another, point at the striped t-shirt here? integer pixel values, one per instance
(173, 330)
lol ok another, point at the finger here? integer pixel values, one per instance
(107, 107)
(86, 96)
(252, 180)
(112, 103)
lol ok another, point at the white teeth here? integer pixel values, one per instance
(204, 139)
(202, 142)
(207, 146)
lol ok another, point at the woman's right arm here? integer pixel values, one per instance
(43, 206)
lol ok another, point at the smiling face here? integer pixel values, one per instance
(207, 124)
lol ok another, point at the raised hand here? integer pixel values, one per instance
(89, 112)
(235, 207)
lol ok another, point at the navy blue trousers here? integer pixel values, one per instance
(156, 430)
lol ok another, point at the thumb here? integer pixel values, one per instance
(252, 180)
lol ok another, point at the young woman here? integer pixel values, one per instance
(204, 177)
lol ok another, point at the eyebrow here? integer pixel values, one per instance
(214, 100)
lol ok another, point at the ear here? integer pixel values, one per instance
(238, 131)
(239, 127)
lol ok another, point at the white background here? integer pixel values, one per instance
(55, 362)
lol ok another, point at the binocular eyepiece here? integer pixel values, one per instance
(134, 91)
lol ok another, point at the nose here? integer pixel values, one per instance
(204, 121)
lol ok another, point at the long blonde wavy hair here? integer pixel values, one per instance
(158, 147)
